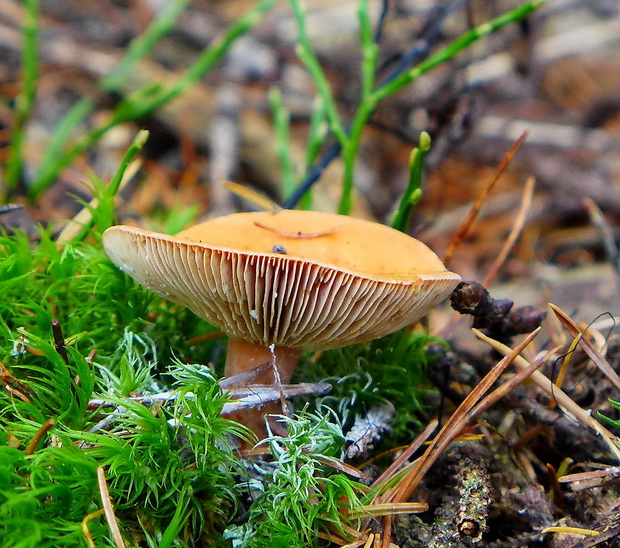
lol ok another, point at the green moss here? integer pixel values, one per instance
(362, 376)
(158, 458)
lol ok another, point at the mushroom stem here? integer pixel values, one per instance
(243, 356)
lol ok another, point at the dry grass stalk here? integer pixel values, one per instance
(86, 530)
(505, 388)
(390, 472)
(387, 531)
(260, 201)
(554, 392)
(389, 508)
(36, 439)
(471, 406)
(515, 232)
(109, 509)
(455, 424)
(589, 349)
(342, 467)
(571, 531)
(335, 539)
(607, 233)
(466, 225)
(559, 380)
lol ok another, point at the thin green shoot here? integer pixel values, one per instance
(350, 139)
(53, 158)
(316, 138)
(609, 420)
(46, 177)
(369, 102)
(413, 192)
(366, 107)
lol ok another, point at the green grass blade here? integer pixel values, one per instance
(455, 47)
(369, 48)
(370, 52)
(53, 158)
(212, 55)
(369, 102)
(153, 96)
(282, 122)
(25, 99)
(143, 44)
(136, 145)
(305, 53)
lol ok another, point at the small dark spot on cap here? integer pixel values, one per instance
(279, 249)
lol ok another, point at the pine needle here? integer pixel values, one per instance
(467, 224)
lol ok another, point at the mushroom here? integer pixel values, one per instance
(280, 282)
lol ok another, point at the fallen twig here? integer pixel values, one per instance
(590, 479)
(248, 396)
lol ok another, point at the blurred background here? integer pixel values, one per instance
(555, 75)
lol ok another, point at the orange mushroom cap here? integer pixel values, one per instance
(299, 279)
